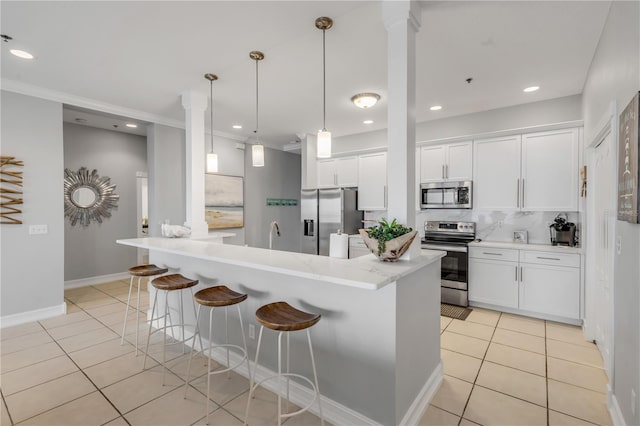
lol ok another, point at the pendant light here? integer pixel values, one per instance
(212, 157)
(257, 150)
(324, 136)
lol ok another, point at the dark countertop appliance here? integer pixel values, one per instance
(452, 237)
(562, 232)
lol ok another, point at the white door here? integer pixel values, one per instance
(326, 170)
(347, 171)
(493, 282)
(372, 181)
(459, 161)
(549, 289)
(550, 171)
(603, 234)
(496, 170)
(432, 163)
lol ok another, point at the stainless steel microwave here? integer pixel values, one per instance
(446, 195)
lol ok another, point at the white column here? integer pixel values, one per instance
(195, 105)
(402, 21)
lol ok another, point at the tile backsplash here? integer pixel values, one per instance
(494, 226)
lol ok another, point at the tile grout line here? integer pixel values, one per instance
(7, 408)
(546, 370)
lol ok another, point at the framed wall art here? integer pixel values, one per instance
(628, 172)
(224, 201)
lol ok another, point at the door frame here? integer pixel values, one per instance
(608, 126)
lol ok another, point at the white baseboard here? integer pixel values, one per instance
(421, 403)
(35, 315)
(100, 279)
(617, 419)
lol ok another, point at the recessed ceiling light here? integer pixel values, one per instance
(21, 54)
(365, 100)
(531, 89)
(237, 126)
(133, 126)
(436, 108)
(368, 121)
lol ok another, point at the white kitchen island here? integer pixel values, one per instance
(377, 345)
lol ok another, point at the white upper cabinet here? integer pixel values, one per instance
(531, 172)
(446, 162)
(496, 182)
(550, 170)
(372, 181)
(337, 172)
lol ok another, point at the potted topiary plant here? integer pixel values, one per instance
(388, 241)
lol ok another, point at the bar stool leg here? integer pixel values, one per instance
(137, 315)
(197, 331)
(182, 321)
(209, 361)
(253, 378)
(288, 379)
(244, 341)
(280, 378)
(193, 301)
(146, 351)
(164, 337)
(126, 312)
(315, 377)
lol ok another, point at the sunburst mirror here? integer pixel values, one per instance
(87, 196)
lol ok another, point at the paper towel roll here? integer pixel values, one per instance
(339, 245)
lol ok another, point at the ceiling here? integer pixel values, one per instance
(138, 57)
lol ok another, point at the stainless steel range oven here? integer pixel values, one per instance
(452, 237)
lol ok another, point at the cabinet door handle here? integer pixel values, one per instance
(547, 258)
(385, 196)
(523, 193)
(516, 268)
(492, 254)
(446, 171)
(518, 193)
(443, 171)
(521, 275)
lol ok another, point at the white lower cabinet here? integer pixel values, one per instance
(534, 282)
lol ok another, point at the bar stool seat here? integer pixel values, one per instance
(217, 297)
(168, 284)
(284, 318)
(139, 271)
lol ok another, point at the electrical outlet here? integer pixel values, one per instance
(619, 244)
(38, 229)
(252, 331)
(633, 402)
(500, 223)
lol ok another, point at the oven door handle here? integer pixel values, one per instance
(459, 249)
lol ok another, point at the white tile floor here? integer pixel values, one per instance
(500, 369)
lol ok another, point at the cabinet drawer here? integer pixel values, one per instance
(550, 258)
(493, 253)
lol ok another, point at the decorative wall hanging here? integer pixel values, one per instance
(628, 172)
(87, 196)
(224, 201)
(10, 190)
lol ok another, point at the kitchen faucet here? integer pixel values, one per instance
(274, 225)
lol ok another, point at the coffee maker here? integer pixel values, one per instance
(562, 232)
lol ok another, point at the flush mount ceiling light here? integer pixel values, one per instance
(367, 122)
(365, 100)
(237, 126)
(257, 150)
(212, 157)
(324, 137)
(436, 108)
(21, 53)
(531, 89)
(131, 125)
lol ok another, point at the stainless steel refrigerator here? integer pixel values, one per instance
(325, 211)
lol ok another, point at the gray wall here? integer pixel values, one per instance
(615, 76)
(514, 117)
(279, 178)
(91, 251)
(32, 272)
(166, 165)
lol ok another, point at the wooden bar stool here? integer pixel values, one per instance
(282, 317)
(140, 271)
(168, 284)
(216, 297)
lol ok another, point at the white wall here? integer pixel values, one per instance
(32, 265)
(91, 251)
(614, 75)
(515, 117)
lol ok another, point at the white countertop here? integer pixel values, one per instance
(521, 246)
(365, 272)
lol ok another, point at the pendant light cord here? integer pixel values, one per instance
(324, 85)
(211, 94)
(256, 130)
